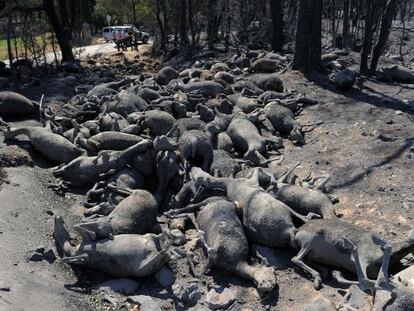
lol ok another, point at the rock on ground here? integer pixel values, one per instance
(165, 277)
(121, 286)
(220, 298)
(145, 303)
(405, 277)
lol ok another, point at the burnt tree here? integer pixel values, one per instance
(371, 16)
(276, 10)
(308, 36)
(162, 23)
(386, 24)
(182, 25)
(345, 24)
(62, 33)
(212, 23)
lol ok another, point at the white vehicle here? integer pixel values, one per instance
(109, 32)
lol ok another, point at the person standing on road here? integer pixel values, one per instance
(118, 39)
(136, 38)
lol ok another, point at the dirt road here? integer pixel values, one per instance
(27, 207)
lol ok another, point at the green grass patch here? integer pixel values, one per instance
(3, 47)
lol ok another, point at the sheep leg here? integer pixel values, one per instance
(96, 189)
(120, 190)
(360, 266)
(383, 281)
(283, 179)
(298, 260)
(76, 260)
(268, 126)
(103, 208)
(322, 186)
(277, 160)
(337, 276)
(191, 208)
(62, 185)
(255, 177)
(309, 182)
(311, 126)
(383, 286)
(306, 218)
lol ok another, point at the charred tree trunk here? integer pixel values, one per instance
(63, 15)
(62, 34)
(134, 12)
(333, 20)
(191, 22)
(276, 10)
(212, 23)
(368, 36)
(165, 17)
(372, 14)
(386, 24)
(308, 36)
(183, 25)
(345, 25)
(161, 23)
(9, 47)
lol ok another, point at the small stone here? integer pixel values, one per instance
(121, 286)
(5, 289)
(146, 303)
(389, 121)
(320, 304)
(50, 213)
(36, 257)
(49, 256)
(179, 237)
(398, 112)
(165, 277)
(168, 304)
(220, 298)
(356, 299)
(190, 293)
(40, 249)
(407, 205)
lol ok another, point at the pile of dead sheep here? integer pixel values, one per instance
(200, 149)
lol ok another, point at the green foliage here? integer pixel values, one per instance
(121, 11)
